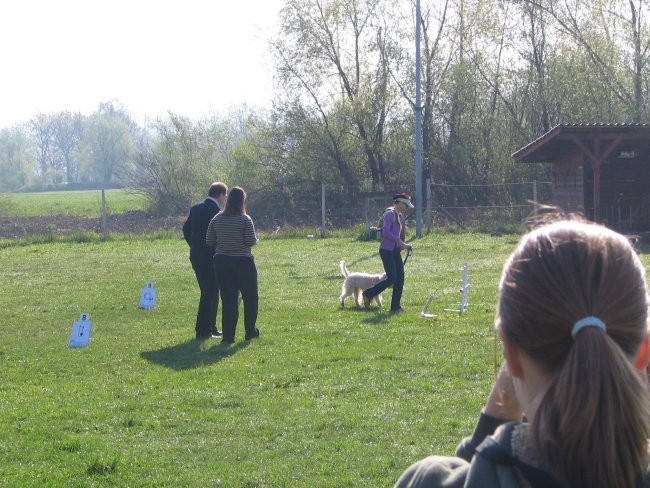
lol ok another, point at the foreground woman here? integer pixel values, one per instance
(572, 314)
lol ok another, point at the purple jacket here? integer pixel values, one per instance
(392, 229)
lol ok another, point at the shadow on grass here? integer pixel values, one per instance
(350, 307)
(191, 355)
(378, 318)
(374, 316)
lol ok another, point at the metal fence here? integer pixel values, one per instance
(318, 206)
(489, 204)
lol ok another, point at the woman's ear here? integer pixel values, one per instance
(643, 357)
(512, 355)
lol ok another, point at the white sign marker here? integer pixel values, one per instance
(148, 296)
(80, 335)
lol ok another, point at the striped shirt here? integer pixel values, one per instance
(233, 235)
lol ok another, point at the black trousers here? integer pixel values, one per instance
(237, 274)
(394, 268)
(206, 316)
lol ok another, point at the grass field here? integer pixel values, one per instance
(327, 397)
(87, 203)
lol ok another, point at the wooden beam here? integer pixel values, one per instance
(595, 159)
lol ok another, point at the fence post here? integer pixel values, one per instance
(429, 210)
(322, 211)
(368, 224)
(104, 226)
(535, 192)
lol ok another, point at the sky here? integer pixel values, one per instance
(191, 57)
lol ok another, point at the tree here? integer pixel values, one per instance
(42, 130)
(180, 163)
(334, 69)
(16, 159)
(108, 147)
(616, 39)
(66, 136)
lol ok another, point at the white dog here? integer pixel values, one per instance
(356, 283)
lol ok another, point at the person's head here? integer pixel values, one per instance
(592, 422)
(218, 191)
(402, 202)
(236, 202)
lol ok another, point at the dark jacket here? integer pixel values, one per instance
(459, 472)
(486, 460)
(196, 226)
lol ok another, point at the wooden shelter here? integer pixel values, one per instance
(601, 170)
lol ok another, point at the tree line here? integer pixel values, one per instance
(496, 74)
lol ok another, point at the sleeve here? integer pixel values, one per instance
(435, 472)
(211, 235)
(388, 230)
(187, 228)
(250, 237)
(485, 426)
(449, 472)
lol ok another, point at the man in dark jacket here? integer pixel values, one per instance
(194, 230)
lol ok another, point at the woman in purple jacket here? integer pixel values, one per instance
(393, 235)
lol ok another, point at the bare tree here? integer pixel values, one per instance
(66, 135)
(108, 146)
(616, 37)
(42, 131)
(332, 64)
(16, 165)
(180, 161)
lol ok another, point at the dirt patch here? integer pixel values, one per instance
(133, 222)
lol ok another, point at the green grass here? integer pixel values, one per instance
(87, 203)
(327, 397)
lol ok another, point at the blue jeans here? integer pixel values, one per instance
(394, 268)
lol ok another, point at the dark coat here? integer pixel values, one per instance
(196, 226)
(485, 460)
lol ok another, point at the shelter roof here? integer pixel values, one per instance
(555, 143)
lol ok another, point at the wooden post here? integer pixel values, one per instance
(322, 212)
(596, 157)
(429, 209)
(104, 225)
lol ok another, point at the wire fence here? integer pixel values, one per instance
(489, 204)
(319, 206)
(314, 206)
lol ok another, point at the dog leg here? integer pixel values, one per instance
(344, 294)
(357, 294)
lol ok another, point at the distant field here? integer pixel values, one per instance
(86, 202)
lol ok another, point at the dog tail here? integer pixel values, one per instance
(344, 270)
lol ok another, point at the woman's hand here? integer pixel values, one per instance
(502, 402)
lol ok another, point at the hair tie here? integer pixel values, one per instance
(587, 322)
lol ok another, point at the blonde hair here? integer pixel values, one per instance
(593, 424)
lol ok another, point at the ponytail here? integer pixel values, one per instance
(592, 426)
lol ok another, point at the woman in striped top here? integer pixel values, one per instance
(232, 233)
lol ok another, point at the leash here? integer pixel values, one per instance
(409, 251)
